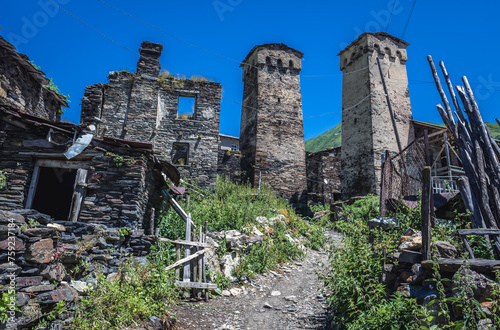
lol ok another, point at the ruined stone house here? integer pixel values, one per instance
(179, 117)
(108, 181)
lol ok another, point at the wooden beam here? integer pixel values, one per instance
(183, 242)
(196, 285)
(185, 260)
(479, 231)
(177, 207)
(426, 213)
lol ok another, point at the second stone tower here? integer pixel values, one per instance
(272, 131)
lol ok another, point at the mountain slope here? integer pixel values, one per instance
(332, 137)
(329, 139)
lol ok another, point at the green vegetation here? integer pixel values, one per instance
(139, 292)
(3, 179)
(332, 137)
(232, 206)
(360, 299)
(53, 87)
(329, 139)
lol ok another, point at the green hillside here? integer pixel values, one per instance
(332, 137)
(329, 139)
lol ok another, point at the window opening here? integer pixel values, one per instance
(186, 107)
(180, 154)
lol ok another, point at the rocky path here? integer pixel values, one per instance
(287, 298)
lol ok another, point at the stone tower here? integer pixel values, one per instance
(367, 129)
(272, 131)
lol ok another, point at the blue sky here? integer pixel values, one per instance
(462, 34)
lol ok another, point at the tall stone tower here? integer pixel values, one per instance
(367, 129)
(272, 131)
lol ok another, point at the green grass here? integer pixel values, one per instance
(233, 206)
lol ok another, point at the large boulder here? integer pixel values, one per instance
(384, 223)
(445, 249)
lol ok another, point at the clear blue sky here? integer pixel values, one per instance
(462, 33)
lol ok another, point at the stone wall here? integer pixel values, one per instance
(272, 132)
(23, 87)
(323, 175)
(367, 129)
(145, 107)
(230, 165)
(48, 256)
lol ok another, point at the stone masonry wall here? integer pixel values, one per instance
(367, 129)
(230, 165)
(117, 195)
(23, 87)
(144, 107)
(272, 132)
(41, 259)
(324, 166)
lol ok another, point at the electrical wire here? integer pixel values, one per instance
(390, 16)
(92, 28)
(409, 17)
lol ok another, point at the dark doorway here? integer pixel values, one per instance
(54, 192)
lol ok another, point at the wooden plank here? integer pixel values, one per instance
(467, 247)
(152, 222)
(200, 265)
(426, 213)
(33, 185)
(78, 193)
(183, 242)
(177, 207)
(452, 265)
(185, 260)
(479, 231)
(196, 285)
(187, 251)
(177, 258)
(498, 121)
(203, 258)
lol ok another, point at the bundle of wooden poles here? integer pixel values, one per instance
(479, 152)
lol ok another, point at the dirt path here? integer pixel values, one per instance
(288, 298)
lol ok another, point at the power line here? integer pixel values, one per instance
(390, 16)
(92, 28)
(409, 17)
(171, 35)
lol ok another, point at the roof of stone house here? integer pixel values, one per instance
(376, 34)
(229, 136)
(276, 46)
(23, 61)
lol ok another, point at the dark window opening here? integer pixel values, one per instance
(180, 154)
(187, 106)
(268, 61)
(290, 64)
(54, 192)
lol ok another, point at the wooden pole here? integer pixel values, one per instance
(390, 106)
(203, 259)
(426, 213)
(498, 121)
(178, 257)
(200, 265)
(187, 265)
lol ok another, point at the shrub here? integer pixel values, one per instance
(140, 291)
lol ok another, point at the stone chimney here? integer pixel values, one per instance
(149, 63)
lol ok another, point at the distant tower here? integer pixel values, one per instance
(367, 129)
(272, 132)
